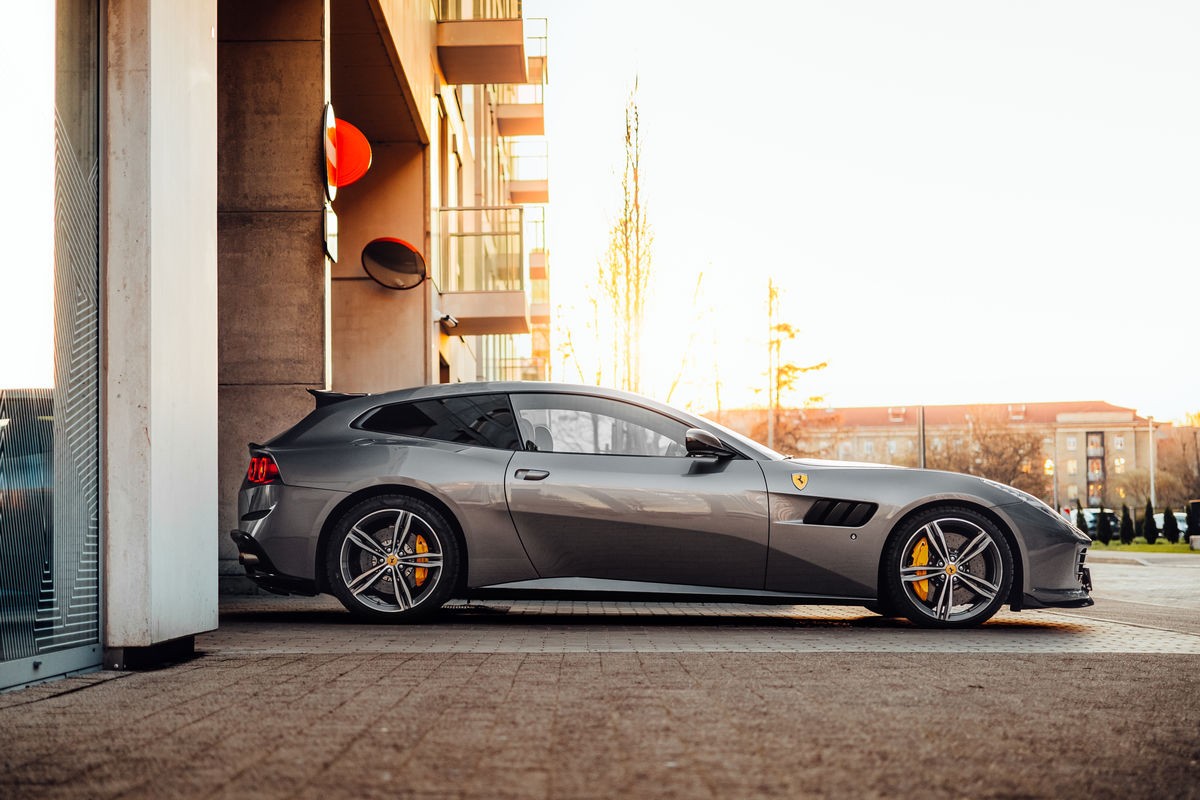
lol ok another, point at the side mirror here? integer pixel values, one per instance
(702, 443)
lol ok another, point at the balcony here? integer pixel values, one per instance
(535, 242)
(520, 108)
(529, 180)
(538, 265)
(481, 270)
(481, 41)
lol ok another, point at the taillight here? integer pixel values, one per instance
(262, 469)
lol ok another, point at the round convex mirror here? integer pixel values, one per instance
(393, 263)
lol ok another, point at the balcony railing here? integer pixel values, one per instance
(528, 171)
(457, 10)
(481, 249)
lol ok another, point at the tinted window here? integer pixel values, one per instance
(480, 420)
(571, 423)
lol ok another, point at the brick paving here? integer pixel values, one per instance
(292, 699)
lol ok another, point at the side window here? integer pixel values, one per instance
(480, 420)
(566, 423)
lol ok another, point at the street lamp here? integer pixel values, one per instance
(1048, 468)
(1153, 499)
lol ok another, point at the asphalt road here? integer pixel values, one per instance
(545, 700)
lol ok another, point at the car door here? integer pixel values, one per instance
(605, 489)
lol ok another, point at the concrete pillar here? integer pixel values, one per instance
(159, 414)
(382, 338)
(273, 58)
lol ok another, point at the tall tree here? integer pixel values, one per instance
(781, 375)
(1080, 519)
(1126, 525)
(1149, 527)
(1104, 529)
(1170, 529)
(623, 276)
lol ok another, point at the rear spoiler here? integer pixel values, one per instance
(325, 398)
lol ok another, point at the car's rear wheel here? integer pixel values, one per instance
(948, 567)
(392, 558)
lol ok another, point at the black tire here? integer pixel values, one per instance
(969, 568)
(380, 576)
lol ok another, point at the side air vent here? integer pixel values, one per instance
(841, 513)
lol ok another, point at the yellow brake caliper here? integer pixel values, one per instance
(420, 573)
(920, 558)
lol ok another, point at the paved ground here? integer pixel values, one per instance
(543, 700)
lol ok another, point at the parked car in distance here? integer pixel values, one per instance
(1092, 517)
(1180, 517)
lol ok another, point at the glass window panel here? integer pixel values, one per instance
(480, 420)
(563, 423)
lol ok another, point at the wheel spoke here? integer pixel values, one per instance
(978, 585)
(400, 530)
(945, 599)
(364, 542)
(422, 560)
(398, 586)
(937, 540)
(976, 547)
(367, 579)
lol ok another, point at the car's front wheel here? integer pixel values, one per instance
(948, 567)
(392, 558)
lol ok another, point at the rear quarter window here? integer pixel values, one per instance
(478, 420)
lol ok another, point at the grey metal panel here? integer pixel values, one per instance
(838, 560)
(468, 480)
(599, 585)
(642, 518)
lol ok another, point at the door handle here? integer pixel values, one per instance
(531, 474)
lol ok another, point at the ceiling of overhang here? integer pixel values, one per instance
(365, 83)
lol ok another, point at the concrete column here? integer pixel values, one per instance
(273, 84)
(159, 417)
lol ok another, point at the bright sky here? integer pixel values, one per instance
(963, 201)
(26, 279)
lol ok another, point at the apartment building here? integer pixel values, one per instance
(203, 265)
(1086, 446)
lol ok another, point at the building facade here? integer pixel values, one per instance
(198, 263)
(1087, 450)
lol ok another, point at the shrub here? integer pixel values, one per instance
(1170, 529)
(1126, 525)
(1104, 529)
(1149, 527)
(1081, 520)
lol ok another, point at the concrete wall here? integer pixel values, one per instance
(382, 338)
(273, 58)
(160, 327)
(413, 28)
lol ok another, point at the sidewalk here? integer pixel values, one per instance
(1099, 556)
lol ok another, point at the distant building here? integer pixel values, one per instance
(1088, 444)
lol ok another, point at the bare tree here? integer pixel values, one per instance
(990, 448)
(781, 375)
(623, 276)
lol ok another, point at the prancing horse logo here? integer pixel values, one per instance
(800, 479)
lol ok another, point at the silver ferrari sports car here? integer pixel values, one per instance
(397, 502)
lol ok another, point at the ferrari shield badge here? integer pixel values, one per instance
(800, 479)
